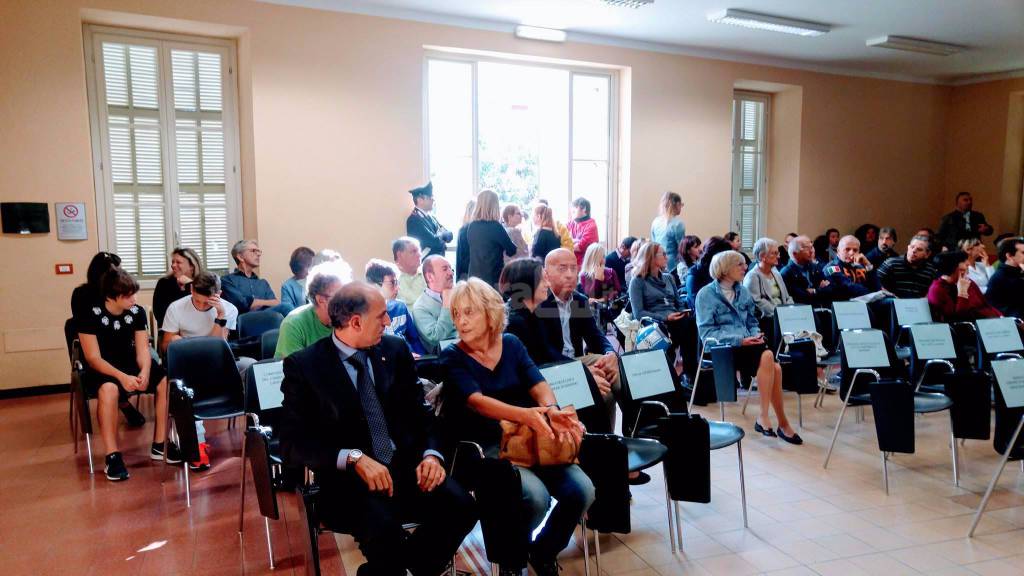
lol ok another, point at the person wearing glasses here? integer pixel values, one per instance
(243, 287)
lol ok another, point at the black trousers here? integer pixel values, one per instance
(375, 520)
(684, 336)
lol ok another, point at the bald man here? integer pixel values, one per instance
(850, 273)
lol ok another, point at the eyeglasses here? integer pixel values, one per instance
(255, 251)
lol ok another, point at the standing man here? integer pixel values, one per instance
(962, 223)
(406, 252)
(243, 287)
(424, 227)
(354, 413)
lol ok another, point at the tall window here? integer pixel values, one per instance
(749, 114)
(524, 131)
(164, 142)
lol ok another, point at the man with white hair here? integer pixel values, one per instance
(850, 273)
(312, 321)
(802, 277)
(243, 287)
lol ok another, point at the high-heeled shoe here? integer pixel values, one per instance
(794, 439)
(762, 430)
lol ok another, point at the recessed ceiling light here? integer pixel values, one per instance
(538, 33)
(915, 45)
(628, 3)
(768, 22)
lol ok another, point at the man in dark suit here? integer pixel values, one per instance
(962, 223)
(354, 413)
(804, 280)
(424, 227)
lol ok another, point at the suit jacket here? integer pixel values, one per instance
(582, 326)
(954, 227)
(322, 412)
(428, 231)
(798, 286)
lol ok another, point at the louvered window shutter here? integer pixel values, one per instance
(749, 112)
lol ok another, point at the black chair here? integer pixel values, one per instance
(204, 385)
(800, 372)
(79, 415)
(717, 359)
(993, 348)
(268, 343)
(261, 445)
(254, 324)
(892, 402)
(605, 460)
(880, 363)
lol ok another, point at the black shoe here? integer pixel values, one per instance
(134, 418)
(173, 455)
(762, 430)
(546, 568)
(642, 478)
(794, 439)
(115, 468)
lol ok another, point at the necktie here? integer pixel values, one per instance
(378, 425)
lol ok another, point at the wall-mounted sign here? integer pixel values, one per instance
(71, 221)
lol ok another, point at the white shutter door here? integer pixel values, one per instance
(748, 166)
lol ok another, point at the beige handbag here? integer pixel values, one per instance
(521, 446)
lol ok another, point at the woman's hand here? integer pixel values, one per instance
(566, 424)
(536, 419)
(752, 340)
(962, 285)
(183, 280)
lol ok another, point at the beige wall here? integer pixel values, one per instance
(331, 131)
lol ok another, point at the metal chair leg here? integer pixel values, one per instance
(88, 450)
(750, 390)
(586, 547)
(270, 546)
(241, 509)
(679, 525)
(955, 454)
(668, 508)
(885, 472)
(188, 491)
(835, 433)
(597, 550)
(743, 482)
(800, 410)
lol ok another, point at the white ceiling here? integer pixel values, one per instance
(992, 29)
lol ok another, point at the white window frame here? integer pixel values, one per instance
(762, 169)
(94, 36)
(611, 218)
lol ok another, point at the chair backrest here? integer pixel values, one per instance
(1009, 375)
(998, 335)
(253, 324)
(851, 315)
(70, 336)
(206, 366)
(179, 404)
(910, 311)
(263, 387)
(892, 403)
(573, 385)
(268, 343)
(257, 451)
(646, 375)
(933, 341)
(605, 459)
(794, 318)
(800, 367)
(688, 461)
(868, 349)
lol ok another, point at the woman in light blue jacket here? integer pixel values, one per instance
(667, 228)
(726, 312)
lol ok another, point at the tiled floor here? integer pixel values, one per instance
(56, 519)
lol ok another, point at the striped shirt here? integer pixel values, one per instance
(905, 280)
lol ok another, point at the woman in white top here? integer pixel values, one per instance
(978, 269)
(764, 282)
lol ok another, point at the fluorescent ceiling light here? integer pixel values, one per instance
(628, 3)
(767, 22)
(915, 45)
(537, 33)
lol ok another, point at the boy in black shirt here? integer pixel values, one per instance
(118, 362)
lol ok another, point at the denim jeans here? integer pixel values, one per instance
(572, 490)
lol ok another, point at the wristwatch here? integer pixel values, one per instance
(353, 456)
(222, 322)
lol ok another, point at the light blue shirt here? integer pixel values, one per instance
(344, 353)
(670, 235)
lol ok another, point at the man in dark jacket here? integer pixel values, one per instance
(850, 274)
(885, 249)
(962, 223)
(354, 413)
(803, 278)
(422, 226)
(1006, 287)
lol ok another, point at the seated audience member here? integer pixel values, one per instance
(822, 248)
(491, 379)
(406, 252)
(374, 447)
(867, 234)
(953, 296)
(631, 263)
(850, 274)
(524, 287)
(243, 287)
(545, 238)
(885, 249)
(432, 310)
(487, 243)
(311, 322)
(462, 243)
(511, 218)
(803, 278)
(912, 275)
(653, 293)
(699, 275)
(833, 237)
(962, 223)
(1006, 287)
(582, 228)
(736, 243)
(618, 258)
(783, 250)
(933, 240)
(185, 265)
(293, 290)
(689, 254)
(569, 324)
(599, 283)
(115, 345)
(978, 269)
(726, 312)
(561, 230)
(201, 313)
(383, 275)
(764, 282)
(325, 255)
(86, 298)
(994, 259)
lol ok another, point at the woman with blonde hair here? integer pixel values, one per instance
(185, 265)
(511, 218)
(726, 312)
(600, 283)
(486, 241)
(545, 238)
(978, 269)
(667, 228)
(490, 379)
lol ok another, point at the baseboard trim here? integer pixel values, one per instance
(34, 391)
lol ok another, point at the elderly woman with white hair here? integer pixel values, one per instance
(764, 281)
(726, 312)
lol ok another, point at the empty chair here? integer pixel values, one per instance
(254, 324)
(268, 343)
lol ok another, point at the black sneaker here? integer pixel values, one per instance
(173, 455)
(115, 469)
(133, 417)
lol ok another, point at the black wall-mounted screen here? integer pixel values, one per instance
(25, 217)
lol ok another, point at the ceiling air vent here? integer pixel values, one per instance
(628, 3)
